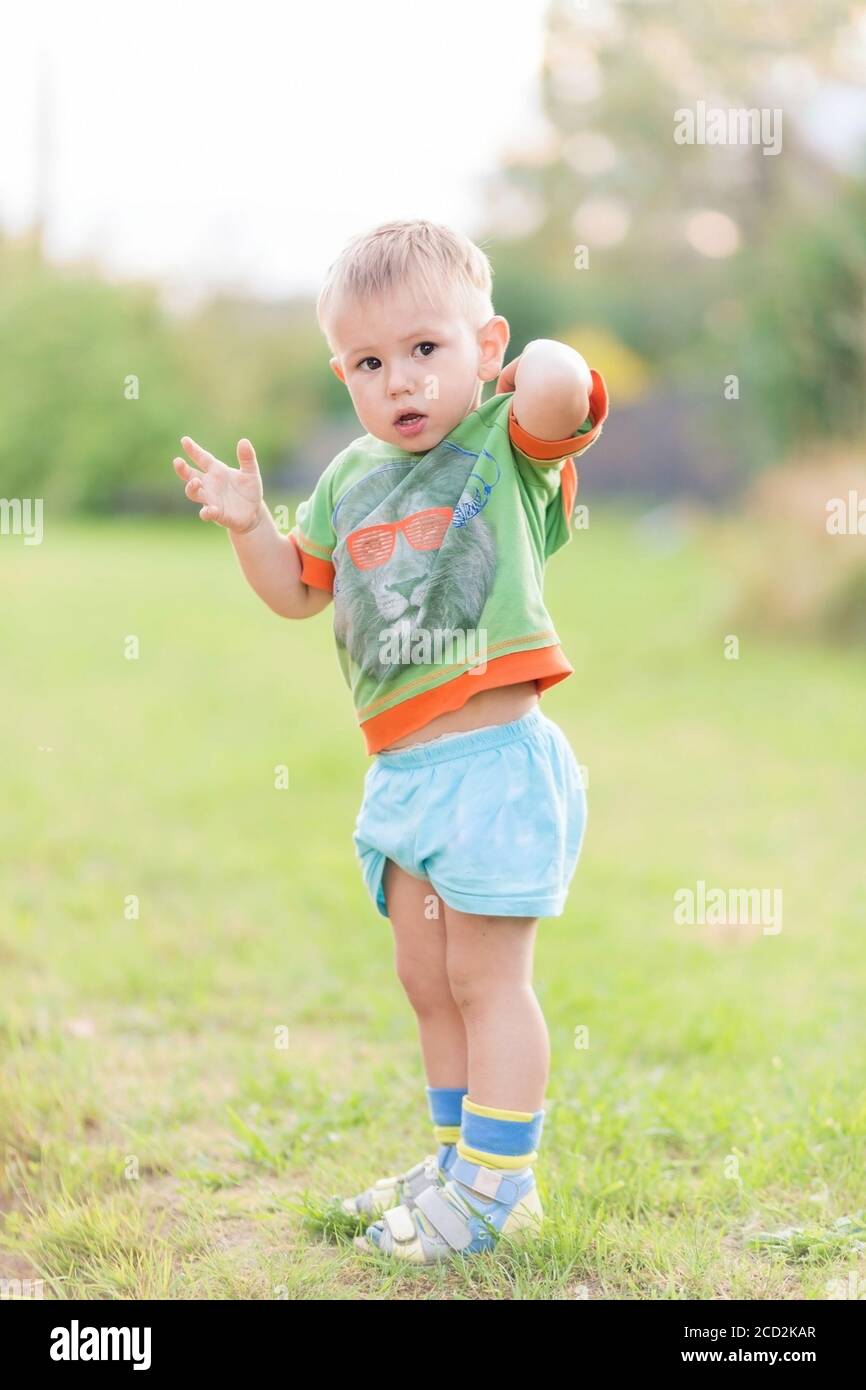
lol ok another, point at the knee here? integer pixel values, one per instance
(467, 989)
(426, 995)
(476, 991)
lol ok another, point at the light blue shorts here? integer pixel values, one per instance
(493, 819)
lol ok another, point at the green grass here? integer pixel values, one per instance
(157, 1139)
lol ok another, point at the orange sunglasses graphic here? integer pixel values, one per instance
(374, 545)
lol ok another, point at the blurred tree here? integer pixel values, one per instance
(705, 259)
(99, 383)
(89, 384)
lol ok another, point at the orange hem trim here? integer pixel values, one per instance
(568, 490)
(319, 574)
(545, 665)
(507, 647)
(552, 450)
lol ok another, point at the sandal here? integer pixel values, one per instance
(401, 1188)
(466, 1215)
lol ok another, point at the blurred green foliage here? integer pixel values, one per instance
(784, 308)
(100, 380)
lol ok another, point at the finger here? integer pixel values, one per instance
(209, 513)
(195, 451)
(194, 488)
(183, 470)
(247, 457)
(509, 371)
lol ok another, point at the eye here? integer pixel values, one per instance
(370, 359)
(431, 346)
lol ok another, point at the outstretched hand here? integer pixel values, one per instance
(232, 497)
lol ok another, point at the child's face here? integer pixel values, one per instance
(399, 354)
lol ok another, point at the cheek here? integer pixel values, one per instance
(462, 366)
(363, 392)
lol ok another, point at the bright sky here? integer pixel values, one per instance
(195, 144)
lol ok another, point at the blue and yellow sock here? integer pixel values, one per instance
(492, 1172)
(445, 1106)
(489, 1177)
(497, 1138)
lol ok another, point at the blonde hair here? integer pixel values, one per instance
(424, 254)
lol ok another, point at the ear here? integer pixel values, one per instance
(334, 364)
(492, 342)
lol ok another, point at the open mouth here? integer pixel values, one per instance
(410, 422)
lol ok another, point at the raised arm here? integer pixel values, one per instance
(234, 498)
(552, 385)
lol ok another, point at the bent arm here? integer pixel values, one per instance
(272, 566)
(552, 386)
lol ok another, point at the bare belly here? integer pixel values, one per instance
(498, 706)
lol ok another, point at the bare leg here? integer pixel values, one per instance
(419, 953)
(489, 965)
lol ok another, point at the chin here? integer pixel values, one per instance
(431, 437)
(420, 443)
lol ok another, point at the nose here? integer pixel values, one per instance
(405, 588)
(399, 381)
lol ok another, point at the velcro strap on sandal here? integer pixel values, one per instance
(383, 1183)
(399, 1222)
(449, 1223)
(429, 1166)
(498, 1187)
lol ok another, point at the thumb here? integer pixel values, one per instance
(506, 377)
(247, 457)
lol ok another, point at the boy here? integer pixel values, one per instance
(430, 533)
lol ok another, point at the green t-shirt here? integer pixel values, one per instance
(436, 563)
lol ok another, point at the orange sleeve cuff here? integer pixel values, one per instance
(553, 450)
(319, 574)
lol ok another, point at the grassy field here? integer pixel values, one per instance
(166, 912)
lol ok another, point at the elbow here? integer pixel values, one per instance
(310, 602)
(286, 610)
